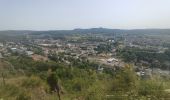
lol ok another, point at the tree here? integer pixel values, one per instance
(52, 80)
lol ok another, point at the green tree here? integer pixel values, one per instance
(53, 82)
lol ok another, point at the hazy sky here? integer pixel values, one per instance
(70, 14)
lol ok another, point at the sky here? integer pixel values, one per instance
(70, 14)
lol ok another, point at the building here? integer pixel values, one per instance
(100, 69)
(14, 50)
(1, 45)
(1, 56)
(110, 60)
(29, 53)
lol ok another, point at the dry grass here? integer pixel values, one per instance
(39, 58)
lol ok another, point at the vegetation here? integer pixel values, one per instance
(154, 59)
(104, 48)
(52, 80)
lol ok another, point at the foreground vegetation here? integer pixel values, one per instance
(54, 80)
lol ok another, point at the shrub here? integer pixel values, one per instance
(23, 96)
(32, 82)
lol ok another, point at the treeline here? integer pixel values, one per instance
(149, 56)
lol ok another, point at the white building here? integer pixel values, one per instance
(1, 45)
(110, 60)
(29, 53)
(14, 49)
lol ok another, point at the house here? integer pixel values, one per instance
(100, 69)
(29, 53)
(146, 73)
(1, 56)
(110, 60)
(113, 41)
(19, 51)
(14, 50)
(1, 45)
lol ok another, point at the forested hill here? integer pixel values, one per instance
(91, 30)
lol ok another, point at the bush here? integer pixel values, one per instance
(23, 96)
(125, 80)
(9, 90)
(32, 82)
(151, 88)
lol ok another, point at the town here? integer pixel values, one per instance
(98, 48)
(83, 57)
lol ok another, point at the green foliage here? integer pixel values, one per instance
(78, 81)
(150, 56)
(129, 56)
(125, 80)
(23, 96)
(151, 88)
(37, 50)
(52, 80)
(32, 82)
(29, 66)
(9, 90)
(103, 48)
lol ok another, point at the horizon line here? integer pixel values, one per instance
(84, 29)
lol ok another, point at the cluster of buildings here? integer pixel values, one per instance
(78, 50)
(147, 73)
(7, 48)
(72, 48)
(61, 46)
(144, 42)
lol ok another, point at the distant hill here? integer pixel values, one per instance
(91, 30)
(14, 32)
(132, 31)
